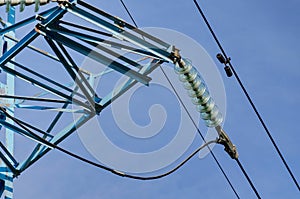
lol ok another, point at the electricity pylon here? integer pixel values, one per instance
(37, 111)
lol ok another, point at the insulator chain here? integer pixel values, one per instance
(199, 93)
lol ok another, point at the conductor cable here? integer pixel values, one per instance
(247, 96)
(100, 166)
(188, 113)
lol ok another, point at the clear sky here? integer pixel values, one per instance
(261, 37)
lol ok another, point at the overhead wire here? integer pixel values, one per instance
(237, 160)
(248, 178)
(195, 152)
(247, 95)
(101, 166)
(131, 17)
(188, 113)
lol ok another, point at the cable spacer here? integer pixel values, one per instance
(224, 61)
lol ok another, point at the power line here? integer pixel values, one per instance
(240, 165)
(248, 96)
(237, 160)
(116, 172)
(248, 178)
(131, 17)
(188, 113)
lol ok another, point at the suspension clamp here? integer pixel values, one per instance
(230, 148)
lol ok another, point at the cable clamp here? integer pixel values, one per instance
(230, 148)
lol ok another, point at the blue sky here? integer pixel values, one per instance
(261, 37)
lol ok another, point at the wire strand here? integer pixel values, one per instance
(116, 172)
(248, 178)
(131, 17)
(248, 96)
(188, 113)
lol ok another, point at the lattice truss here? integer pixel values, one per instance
(54, 84)
(45, 58)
